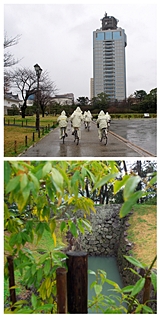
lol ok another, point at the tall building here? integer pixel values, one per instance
(109, 66)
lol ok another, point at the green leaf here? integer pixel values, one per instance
(7, 172)
(127, 289)
(87, 224)
(105, 180)
(120, 183)
(13, 183)
(46, 168)
(153, 180)
(134, 261)
(127, 205)
(39, 275)
(154, 280)
(47, 266)
(130, 186)
(98, 289)
(24, 181)
(91, 272)
(34, 300)
(62, 226)
(138, 286)
(147, 309)
(57, 179)
(73, 229)
(34, 180)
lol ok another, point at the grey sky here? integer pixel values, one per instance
(59, 38)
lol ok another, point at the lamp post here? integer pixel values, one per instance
(38, 71)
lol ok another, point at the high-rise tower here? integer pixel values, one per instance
(109, 66)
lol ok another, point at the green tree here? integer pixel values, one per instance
(43, 196)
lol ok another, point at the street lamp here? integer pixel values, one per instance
(38, 71)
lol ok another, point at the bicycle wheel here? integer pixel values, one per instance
(77, 140)
(63, 135)
(106, 139)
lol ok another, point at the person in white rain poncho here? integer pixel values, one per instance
(87, 117)
(63, 122)
(108, 119)
(101, 123)
(76, 120)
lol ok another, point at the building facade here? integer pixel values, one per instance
(10, 101)
(109, 65)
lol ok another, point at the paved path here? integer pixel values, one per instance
(89, 146)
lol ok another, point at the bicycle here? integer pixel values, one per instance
(64, 134)
(104, 136)
(87, 125)
(76, 137)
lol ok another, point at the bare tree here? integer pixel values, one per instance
(9, 59)
(47, 90)
(25, 80)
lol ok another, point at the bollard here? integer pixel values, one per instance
(39, 133)
(11, 281)
(61, 283)
(22, 123)
(77, 282)
(15, 146)
(147, 290)
(26, 140)
(33, 137)
(8, 122)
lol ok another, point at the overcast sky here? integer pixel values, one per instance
(59, 37)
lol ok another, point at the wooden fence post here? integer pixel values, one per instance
(15, 146)
(147, 290)
(77, 282)
(33, 137)
(61, 282)
(26, 140)
(11, 280)
(22, 123)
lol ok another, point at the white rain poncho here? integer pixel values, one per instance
(88, 116)
(102, 120)
(76, 118)
(62, 120)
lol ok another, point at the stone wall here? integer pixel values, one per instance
(107, 228)
(109, 238)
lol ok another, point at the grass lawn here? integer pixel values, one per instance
(143, 233)
(15, 136)
(30, 120)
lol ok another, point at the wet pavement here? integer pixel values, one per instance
(141, 132)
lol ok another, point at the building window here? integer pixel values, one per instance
(108, 35)
(116, 35)
(100, 36)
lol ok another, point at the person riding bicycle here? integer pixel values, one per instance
(101, 123)
(63, 122)
(108, 119)
(76, 119)
(87, 117)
